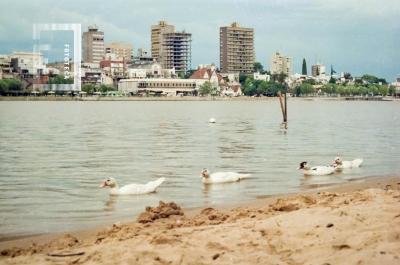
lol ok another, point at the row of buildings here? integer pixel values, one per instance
(116, 64)
(172, 49)
(160, 70)
(171, 56)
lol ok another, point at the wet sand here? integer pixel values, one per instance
(355, 223)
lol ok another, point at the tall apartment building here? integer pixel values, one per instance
(122, 50)
(156, 34)
(236, 49)
(281, 64)
(318, 70)
(93, 45)
(172, 49)
(176, 51)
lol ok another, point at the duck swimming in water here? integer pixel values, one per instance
(316, 171)
(131, 189)
(221, 177)
(340, 164)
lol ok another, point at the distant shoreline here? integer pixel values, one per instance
(185, 98)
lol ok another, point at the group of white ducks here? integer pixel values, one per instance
(223, 177)
(338, 165)
(137, 189)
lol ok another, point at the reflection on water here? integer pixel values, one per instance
(109, 205)
(53, 155)
(308, 182)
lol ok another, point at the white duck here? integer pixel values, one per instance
(212, 120)
(316, 171)
(221, 177)
(131, 189)
(340, 164)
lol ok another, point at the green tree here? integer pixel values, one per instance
(181, 75)
(357, 90)
(363, 90)
(3, 87)
(242, 78)
(382, 80)
(249, 88)
(105, 88)
(261, 87)
(332, 80)
(373, 90)
(347, 76)
(309, 81)
(341, 90)
(358, 81)
(89, 88)
(280, 78)
(353, 90)
(304, 67)
(383, 90)
(392, 90)
(60, 79)
(214, 91)
(304, 89)
(12, 84)
(205, 89)
(370, 79)
(273, 88)
(329, 89)
(258, 67)
(253, 87)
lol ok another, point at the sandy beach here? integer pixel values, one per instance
(355, 223)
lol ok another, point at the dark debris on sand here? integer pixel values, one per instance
(163, 210)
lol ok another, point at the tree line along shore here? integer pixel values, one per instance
(367, 85)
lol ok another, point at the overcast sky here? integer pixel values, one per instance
(355, 36)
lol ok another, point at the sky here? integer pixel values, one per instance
(352, 35)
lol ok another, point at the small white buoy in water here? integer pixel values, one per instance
(212, 120)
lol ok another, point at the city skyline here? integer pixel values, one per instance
(354, 38)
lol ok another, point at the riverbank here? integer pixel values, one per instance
(184, 98)
(354, 223)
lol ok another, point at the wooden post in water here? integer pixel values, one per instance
(285, 120)
(283, 102)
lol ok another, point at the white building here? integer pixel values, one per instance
(122, 50)
(281, 64)
(169, 86)
(318, 70)
(263, 77)
(28, 63)
(396, 84)
(209, 73)
(151, 70)
(231, 77)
